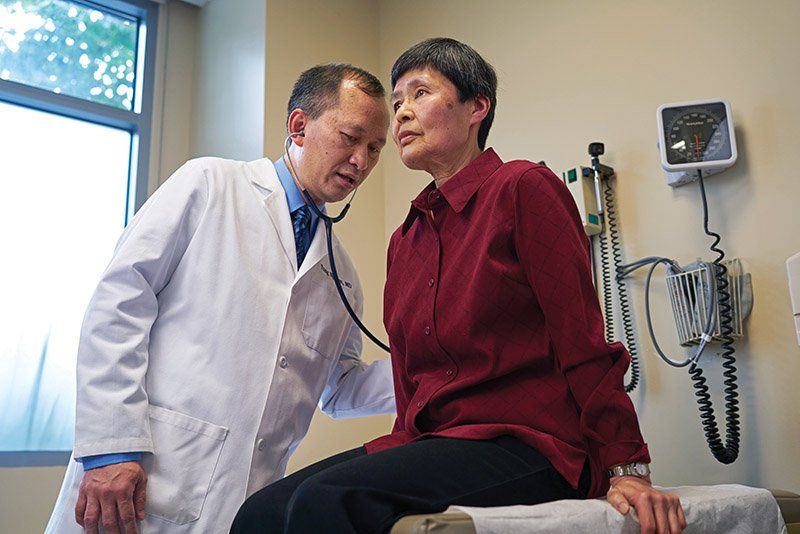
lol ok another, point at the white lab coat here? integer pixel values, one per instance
(205, 346)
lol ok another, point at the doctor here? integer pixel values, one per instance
(216, 329)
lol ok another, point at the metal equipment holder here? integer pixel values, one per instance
(691, 293)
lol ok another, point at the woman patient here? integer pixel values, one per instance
(507, 392)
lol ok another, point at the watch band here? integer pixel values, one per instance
(635, 469)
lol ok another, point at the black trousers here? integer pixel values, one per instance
(367, 493)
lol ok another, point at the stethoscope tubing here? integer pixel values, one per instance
(329, 221)
(331, 261)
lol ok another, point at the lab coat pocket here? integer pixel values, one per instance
(179, 472)
(326, 321)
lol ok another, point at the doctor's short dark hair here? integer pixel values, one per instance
(317, 89)
(471, 74)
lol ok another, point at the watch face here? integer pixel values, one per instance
(696, 133)
(641, 469)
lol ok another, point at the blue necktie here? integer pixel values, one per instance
(301, 223)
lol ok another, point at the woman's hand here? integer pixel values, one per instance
(658, 512)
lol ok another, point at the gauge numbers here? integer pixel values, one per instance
(696, 134)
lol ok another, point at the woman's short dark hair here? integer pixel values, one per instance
(317, 89)
(471, 74)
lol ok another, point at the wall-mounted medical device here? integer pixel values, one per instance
(694, 295)
(592, 189)
(695, 137)
(710, 299)
(580, 182)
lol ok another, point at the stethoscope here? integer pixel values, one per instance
(328, 221)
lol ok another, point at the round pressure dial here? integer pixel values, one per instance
(697, 133)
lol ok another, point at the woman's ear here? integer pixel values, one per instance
(481, 107)
(297, 125)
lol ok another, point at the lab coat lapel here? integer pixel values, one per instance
(264, 176)
(275, 204)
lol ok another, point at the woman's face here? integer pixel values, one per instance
(431, 126)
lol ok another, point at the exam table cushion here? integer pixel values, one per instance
(722, 508)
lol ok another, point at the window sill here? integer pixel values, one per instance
(34, 458)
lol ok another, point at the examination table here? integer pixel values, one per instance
(761, 510)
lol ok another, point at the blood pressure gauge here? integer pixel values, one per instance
(695, 136)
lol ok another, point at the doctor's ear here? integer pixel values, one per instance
(296, 125)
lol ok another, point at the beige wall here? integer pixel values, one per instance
(573, 72)
(27, 496)
(342, 31)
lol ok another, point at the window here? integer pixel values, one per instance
(75, 108)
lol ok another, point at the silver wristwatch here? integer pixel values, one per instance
(635, 469)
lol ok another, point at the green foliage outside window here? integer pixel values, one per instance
(69, 48)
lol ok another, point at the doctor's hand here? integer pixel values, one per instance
(112, 496)
(658, 512)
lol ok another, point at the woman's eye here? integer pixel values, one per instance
(420, 92)
(396, 106)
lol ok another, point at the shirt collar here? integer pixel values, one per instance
(294, 198)
(463, 185)
(458, 190)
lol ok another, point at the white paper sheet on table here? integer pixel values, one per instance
(726, 508)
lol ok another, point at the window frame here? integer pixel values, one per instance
(138, 122)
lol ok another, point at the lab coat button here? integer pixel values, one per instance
(283, 362)
(260, 444)
(427, 330)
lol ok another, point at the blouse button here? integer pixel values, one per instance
(419, 404)
(431, 282)
(449, 372)
(427, 330)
